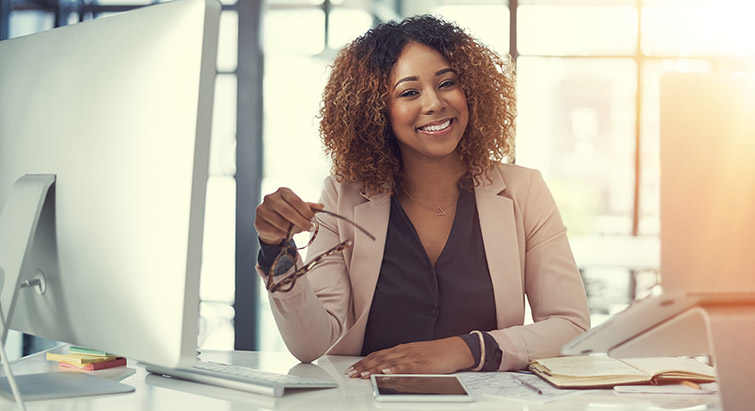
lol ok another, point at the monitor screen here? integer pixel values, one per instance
(117, 110)
(707, 127)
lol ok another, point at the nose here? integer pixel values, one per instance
(433, 102)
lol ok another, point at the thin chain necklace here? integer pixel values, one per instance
(440, 211)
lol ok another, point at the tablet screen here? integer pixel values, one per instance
(389, 385)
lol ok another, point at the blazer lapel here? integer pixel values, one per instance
(366, 260)
(499, 234)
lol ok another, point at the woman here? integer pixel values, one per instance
(417, 117)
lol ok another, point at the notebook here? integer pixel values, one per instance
(601, 371)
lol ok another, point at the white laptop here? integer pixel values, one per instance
(707, 219)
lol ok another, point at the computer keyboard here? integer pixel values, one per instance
(240, 378)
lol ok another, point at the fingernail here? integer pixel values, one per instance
(312, 227)
(386, 370)
(365, 374)
(351, 372)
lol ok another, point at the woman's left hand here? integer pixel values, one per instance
(443, 356)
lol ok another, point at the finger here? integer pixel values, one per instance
(359, 369)
(367, 362)
(278, 210)
(268, 233)
(298, 212)
(398, 366)
(403, 366)
(297, 203)
(351, 371)
(395, 368)
(316, 206)
(267, 217)
(377, 361)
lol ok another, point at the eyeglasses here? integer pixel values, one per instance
(287, 256)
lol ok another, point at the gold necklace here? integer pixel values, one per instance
(440, 211)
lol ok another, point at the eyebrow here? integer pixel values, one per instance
(415, 78)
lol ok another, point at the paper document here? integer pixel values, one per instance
(503, 384)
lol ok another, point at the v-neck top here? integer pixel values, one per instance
(416, 301)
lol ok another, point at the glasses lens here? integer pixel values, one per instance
(282, 264)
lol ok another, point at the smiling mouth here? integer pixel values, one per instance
(437, 127)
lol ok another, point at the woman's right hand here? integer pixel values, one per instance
(278, 211)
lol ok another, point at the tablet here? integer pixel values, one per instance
(419, 388)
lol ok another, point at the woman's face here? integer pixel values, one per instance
(427, 108)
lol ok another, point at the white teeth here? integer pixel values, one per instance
(436, 128)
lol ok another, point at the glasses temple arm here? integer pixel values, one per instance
(372, 237)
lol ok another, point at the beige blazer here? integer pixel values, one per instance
(525, 245)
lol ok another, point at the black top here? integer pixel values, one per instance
(416, 301)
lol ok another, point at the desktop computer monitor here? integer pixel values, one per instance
(111, 118)
(708, 183)
(707, 147)
(707, 306)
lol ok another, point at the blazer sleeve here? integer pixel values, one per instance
(316, 312)
(552, 284)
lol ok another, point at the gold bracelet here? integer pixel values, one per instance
(482, 351)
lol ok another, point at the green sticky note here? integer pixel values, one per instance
(82, 350)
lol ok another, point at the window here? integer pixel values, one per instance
(295, 75)
(587, 80)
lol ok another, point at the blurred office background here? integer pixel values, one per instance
(587, 79)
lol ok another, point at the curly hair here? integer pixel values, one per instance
(354, 123)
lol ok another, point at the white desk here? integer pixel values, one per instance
(159, 393)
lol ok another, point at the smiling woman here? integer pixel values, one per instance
(417, 117)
